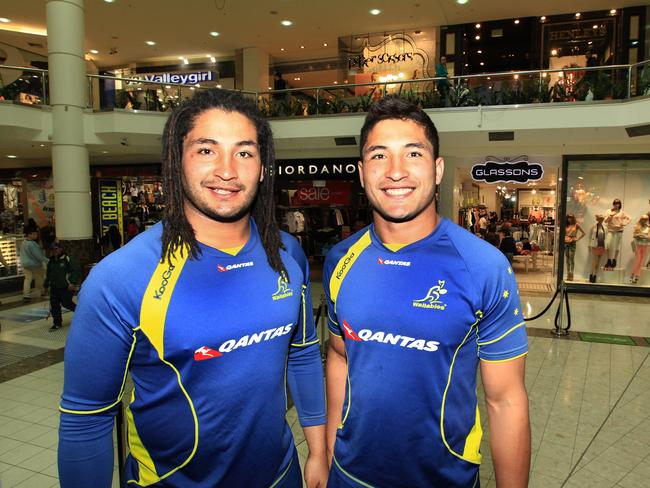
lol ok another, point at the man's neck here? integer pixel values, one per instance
(219, 235)
(405, 232)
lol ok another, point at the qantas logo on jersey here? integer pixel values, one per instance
(204, 352)
(393, 262)
(283, 289)
(157, 294)
(223, 269)
(366, 335)
(432, 298)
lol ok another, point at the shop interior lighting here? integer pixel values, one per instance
(542, 18)
(213, 59)
(595, 26)
(186, 61)
(478, 38)
(516, 21)
(461, 2)
(4, 20)
(286, 23)
(577, 15)
(296, 78)
(336, 82)
(613, 11)
(281, 49)
(109, 1)
(94, 51)
(375, 11)
(554, 52)
(302, 47)
(214, 34)
(478, 26)
(324, 44)
(150, 43)
(516, 77)
(168, 86)
(12, 156)
(482, 63)
(479, 51)
(543, 75)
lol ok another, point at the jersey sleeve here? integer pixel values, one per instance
(501, 331)
(305, 368)
(332, 319)
(97, 355)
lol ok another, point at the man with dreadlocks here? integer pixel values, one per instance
(216, 314)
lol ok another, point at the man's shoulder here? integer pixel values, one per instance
(477, 253)
(341, 248)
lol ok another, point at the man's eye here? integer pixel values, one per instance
(415, 154)
(205, 150)
(377, 156)
(244, 154)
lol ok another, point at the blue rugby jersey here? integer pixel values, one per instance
(415, 323)
(209, 344)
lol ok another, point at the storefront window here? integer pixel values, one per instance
(609, 243)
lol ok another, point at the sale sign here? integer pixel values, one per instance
(333, 193)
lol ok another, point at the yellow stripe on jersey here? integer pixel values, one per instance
(146, 469)
(342, 268)
(233, 251)
(501, 336)
(153, 314)
(394, 247)
(504, 360)
(284, 473)
(473, 441)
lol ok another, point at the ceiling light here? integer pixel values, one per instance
(595, 26)
(109, 1)
(554, 52)
(94, 51)
(185, 61)
(214, 34)
(552, 192)
(478, 26)
(192, 88)
(286, 23)
(297, 78)
(336, 82)
(218, 86)
(150, 43)
(489, 77)
(482, 63)
(534, 192)
(324, 44)
(613, 11)
(42, 145)
(104, 152)
(590, 43)
(516, 21)
(213, 59)
(4, 20)
(281, 49)
(181, 58)
(375, 11)
(461, 2)
(302, 47)
(479, 51)
(168, 86)
(516, 77)
(578, 15)
(478, 38)
(12, 156)
(542, 18)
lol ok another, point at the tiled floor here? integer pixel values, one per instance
(589, 402)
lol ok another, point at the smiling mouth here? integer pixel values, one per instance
(398, 192)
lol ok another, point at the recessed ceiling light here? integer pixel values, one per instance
(482, 63)
(302, 47)
(542, 18)
(595, 26)
(281, 49)
(12, 156)
(297, 78)
(42, 145)
(516, 21)
(150, 43)
(213, 59)
(94, 51)
(336, 82)
(181, 58)
(479, 51)
(109, 1)
(613, 11)
(4, 20)
(104, 152)
(375, 11)
(478, 38)
(578, 15)
(478, 26)
(214, 34)
(185, 61)
(461, 2)
(554, 52)
(324, 44)
(286, 23)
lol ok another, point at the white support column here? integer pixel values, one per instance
(253, 64)
(68, 95)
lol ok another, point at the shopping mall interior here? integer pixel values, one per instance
(543, 113)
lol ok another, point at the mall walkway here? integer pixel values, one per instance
(589, 400)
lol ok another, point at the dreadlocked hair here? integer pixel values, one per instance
(178, 235)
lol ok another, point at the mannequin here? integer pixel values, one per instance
(615, 220)
(597, 244)
(570, 238)
(641, 245)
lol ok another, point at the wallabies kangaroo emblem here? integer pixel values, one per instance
(433, 295)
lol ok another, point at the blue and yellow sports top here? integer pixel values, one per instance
(415, 323)
(209, 344)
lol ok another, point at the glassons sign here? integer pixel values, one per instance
(517, 170)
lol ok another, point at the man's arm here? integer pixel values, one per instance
(507, 404)
(337, 370)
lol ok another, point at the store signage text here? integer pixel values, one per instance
(360, 61)
(178, 78)
(587, 32)
(335, 193)
(110, 205)
(519, 170)
(317, 170)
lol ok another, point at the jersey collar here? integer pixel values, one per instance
(425, 241)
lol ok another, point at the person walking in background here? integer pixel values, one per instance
(62, 278)
(32, 259)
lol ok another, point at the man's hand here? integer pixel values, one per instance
(316, 471)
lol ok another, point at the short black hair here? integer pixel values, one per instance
(394, 107)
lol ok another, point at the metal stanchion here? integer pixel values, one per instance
(121, 444)
(559, 331)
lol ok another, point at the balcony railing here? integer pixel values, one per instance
(575, 85)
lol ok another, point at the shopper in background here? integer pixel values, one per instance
(210, 312)
(441, 72)
(33, 261)
(411, 298)
(62, 278)
(508, 245)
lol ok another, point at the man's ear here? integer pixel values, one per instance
(360, 168)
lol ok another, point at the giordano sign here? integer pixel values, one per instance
(517, 170)
(317, 169)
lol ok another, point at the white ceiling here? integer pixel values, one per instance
(182, 28)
